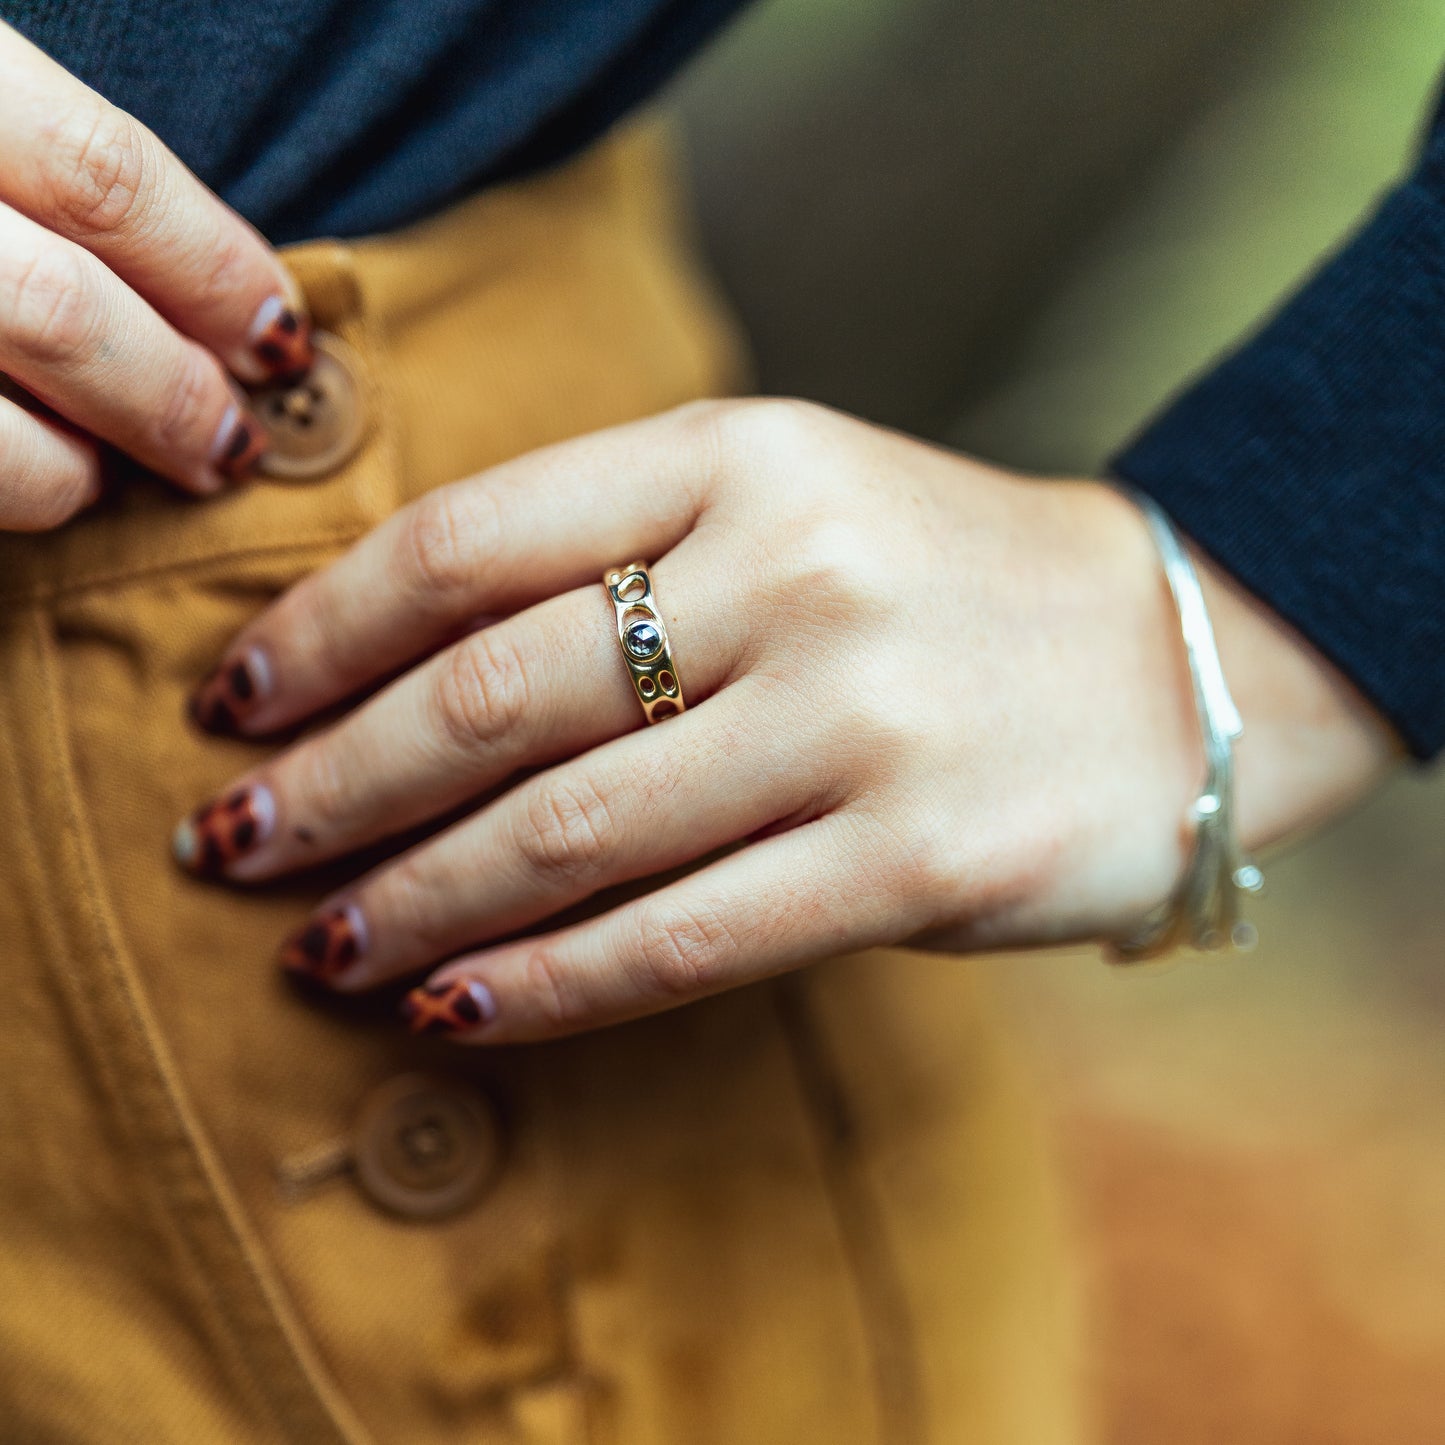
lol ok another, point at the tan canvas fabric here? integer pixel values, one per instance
(815, 1211)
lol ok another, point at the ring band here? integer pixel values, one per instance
(643, 635)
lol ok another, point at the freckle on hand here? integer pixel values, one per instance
(303, 835)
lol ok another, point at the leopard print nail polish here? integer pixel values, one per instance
(211, 839)
(449, 1006)
(239, 452)
(327, 945)
(281, 341)
(232, 691)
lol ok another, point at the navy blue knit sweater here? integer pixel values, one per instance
(347, 117)
(1311, 463)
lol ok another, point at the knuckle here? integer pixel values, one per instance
(882, 728)
(314, 618)
(918, 861)
(406, 899)
(738, 443)
(190, 403)
(831, 551)
(52, 312)
(776, 426)
(683, 952)
(324, 793)
(828, 569)
(416, 901)
(554, 992)
(221, 269)
(872, 740)
(448, 536)
(704, 412)
(101, 153)
(481, 692)
(568, 833)
(926, 874)
(709, 424)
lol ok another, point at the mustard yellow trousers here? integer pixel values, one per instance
(816, 1210)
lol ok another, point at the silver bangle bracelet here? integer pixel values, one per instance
(1204, 910)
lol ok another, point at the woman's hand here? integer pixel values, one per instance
(127, 292)
(936, 702)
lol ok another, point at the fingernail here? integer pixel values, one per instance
(327, 945)
(236, 688)
(449, 1006)
(241, 442)
(210, 840)
(281, 339)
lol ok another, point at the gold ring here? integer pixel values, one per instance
(643, 636)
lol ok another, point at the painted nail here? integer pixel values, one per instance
(212, 838)
(232, 691)
(281, 340)
(241, 442)
(327, 945)
(449, 1006)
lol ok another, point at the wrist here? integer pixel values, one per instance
(1312, 745)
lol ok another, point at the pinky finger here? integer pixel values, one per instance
(771, 907)
(47, 474)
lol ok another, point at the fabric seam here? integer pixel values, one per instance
(180, 567)
(876, 1276)
(188, 1135)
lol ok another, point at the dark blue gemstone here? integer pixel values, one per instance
(642, 639)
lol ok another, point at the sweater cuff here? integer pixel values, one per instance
(1311, 463)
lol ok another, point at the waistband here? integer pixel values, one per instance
(527, 314)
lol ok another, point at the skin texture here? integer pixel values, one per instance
(929, 701)
(131, 302)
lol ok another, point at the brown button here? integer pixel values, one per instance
(424, 1146)
(317, 423)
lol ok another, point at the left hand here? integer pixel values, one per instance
(936, 702)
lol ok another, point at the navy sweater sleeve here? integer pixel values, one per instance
(1311, 462)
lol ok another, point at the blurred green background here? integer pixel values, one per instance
(1017, 227)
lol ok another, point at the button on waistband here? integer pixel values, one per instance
(425, 1147)
(317, 423)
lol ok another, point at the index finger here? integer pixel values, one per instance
(86, 170)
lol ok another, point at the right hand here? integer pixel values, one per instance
(928, 701)
(130, 297)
